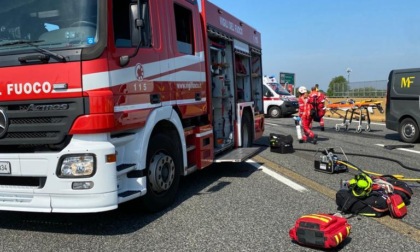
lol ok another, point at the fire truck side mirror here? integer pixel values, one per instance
(135, 25)
(124, 60)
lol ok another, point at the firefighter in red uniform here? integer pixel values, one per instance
(317, 99)
(305, 114)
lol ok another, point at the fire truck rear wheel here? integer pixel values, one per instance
(409, 131)
(246, 130)
(163, 172)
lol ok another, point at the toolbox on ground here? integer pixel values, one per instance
(281, 143)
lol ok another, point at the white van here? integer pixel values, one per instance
(277, 101)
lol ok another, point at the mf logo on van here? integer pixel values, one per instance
(407, 81)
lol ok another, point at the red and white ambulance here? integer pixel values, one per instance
(278, 102)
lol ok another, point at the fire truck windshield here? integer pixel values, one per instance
(52, 24)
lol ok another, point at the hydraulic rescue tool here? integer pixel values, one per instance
(329, 162)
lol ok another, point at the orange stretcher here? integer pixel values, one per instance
(358, 110)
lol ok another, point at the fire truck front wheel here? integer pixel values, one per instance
(163, 172)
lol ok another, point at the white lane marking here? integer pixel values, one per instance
(272, 124)
(277, 176)
(403, 149)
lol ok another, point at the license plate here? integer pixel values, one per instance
(5, 168)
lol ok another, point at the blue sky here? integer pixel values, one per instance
(319, 39)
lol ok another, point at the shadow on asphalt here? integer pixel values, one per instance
(393, 137)
(128, 218)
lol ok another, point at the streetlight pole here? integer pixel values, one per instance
(348, 70)
(348, 74)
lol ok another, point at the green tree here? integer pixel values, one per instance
(338, 87)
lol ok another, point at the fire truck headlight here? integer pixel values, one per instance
(77, 166)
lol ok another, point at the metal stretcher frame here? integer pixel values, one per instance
(351, 108)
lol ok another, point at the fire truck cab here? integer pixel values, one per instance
(108, 101)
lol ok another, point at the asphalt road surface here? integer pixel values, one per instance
(242, 206)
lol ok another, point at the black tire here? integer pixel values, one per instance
(408, 131)
(275, 112)
(247, 130)
(164, 162)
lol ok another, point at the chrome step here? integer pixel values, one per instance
(237, 155)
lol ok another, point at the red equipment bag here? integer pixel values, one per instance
(396, 206)
(401, 188)
(320, 230)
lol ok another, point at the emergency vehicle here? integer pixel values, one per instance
(402, 104)
(107, 101)
(277, 101)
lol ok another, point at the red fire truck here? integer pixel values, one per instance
(108, 101)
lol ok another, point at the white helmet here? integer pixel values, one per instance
(302, 90)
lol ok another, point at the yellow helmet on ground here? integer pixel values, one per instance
(361, 185)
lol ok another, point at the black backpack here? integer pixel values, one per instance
(314, 109)
(374, 205)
